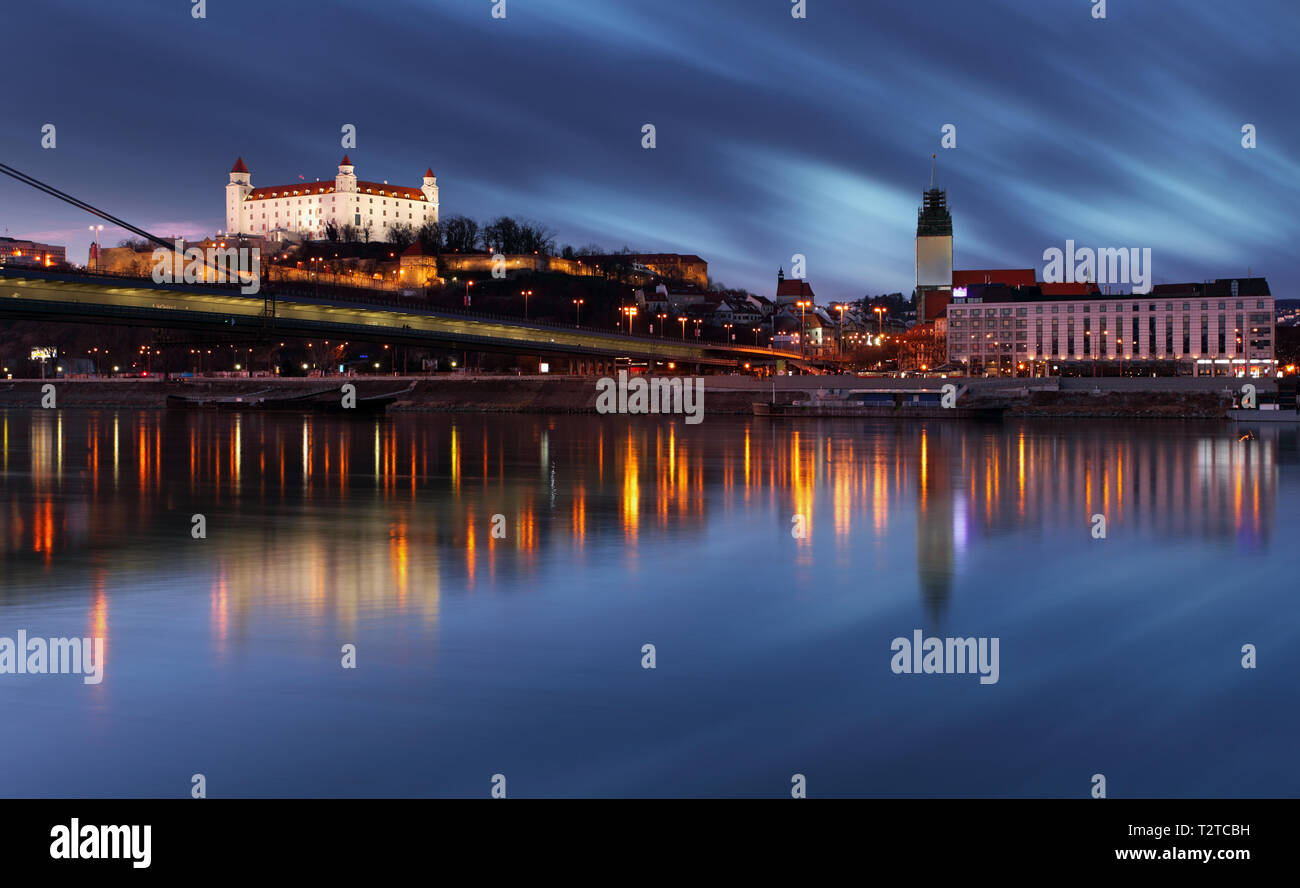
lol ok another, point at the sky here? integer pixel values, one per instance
(775, 135)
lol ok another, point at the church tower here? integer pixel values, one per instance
(238, 188)
(933, 252)
(430, 189)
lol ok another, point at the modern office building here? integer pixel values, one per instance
(1224, 328)
(933, 254)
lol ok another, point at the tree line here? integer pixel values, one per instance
(458, 234)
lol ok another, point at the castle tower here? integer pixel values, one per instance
(430, 189)
(346, 180)
(933, 252)
(238, 188)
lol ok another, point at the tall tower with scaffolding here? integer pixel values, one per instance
(933, 251)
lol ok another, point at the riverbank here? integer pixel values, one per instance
(1188, 398)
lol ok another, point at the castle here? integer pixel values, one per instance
(304, 209)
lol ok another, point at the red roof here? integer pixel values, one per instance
(794, 287)
(345, 162)
(1010, 277)
(239, 166)
(1069, 289)
(428, 173)
(414, 250)
(936, 301)
(303, 189)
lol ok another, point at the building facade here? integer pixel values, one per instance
(1224, 328)
(685, 267)
(15, 251)
(933, 254)
(304, 209)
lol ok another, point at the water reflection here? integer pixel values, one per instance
(306, 499)
(322, 531)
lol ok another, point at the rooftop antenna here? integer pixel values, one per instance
(933, 162)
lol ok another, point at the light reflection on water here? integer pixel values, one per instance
(521, 654)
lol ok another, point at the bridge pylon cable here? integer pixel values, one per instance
(95, 211)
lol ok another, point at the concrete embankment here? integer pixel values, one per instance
(1115, 397)
(488, 394)
(1153, 405)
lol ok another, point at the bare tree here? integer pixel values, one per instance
(401, 236)
(536, 238)
(460, 234)
(502, 235)
(430, 237)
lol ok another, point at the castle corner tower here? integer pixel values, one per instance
(430, 189)
(346, 180)
(238, 188)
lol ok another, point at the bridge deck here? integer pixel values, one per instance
(28, 293)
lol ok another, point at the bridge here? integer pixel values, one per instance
(33, 294)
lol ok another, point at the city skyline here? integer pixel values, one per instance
(816, 150)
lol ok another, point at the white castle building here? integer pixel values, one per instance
(304, 208)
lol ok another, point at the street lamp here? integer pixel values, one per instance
(577, 310)
(841, 307)
(525, 294)
(683, 320)
(94, 231)
(631, 316)
(661, 316)
(880, 320)
(468, 284)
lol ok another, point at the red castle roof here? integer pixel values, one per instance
(239, 166)
(345, 162)
(304, 189)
